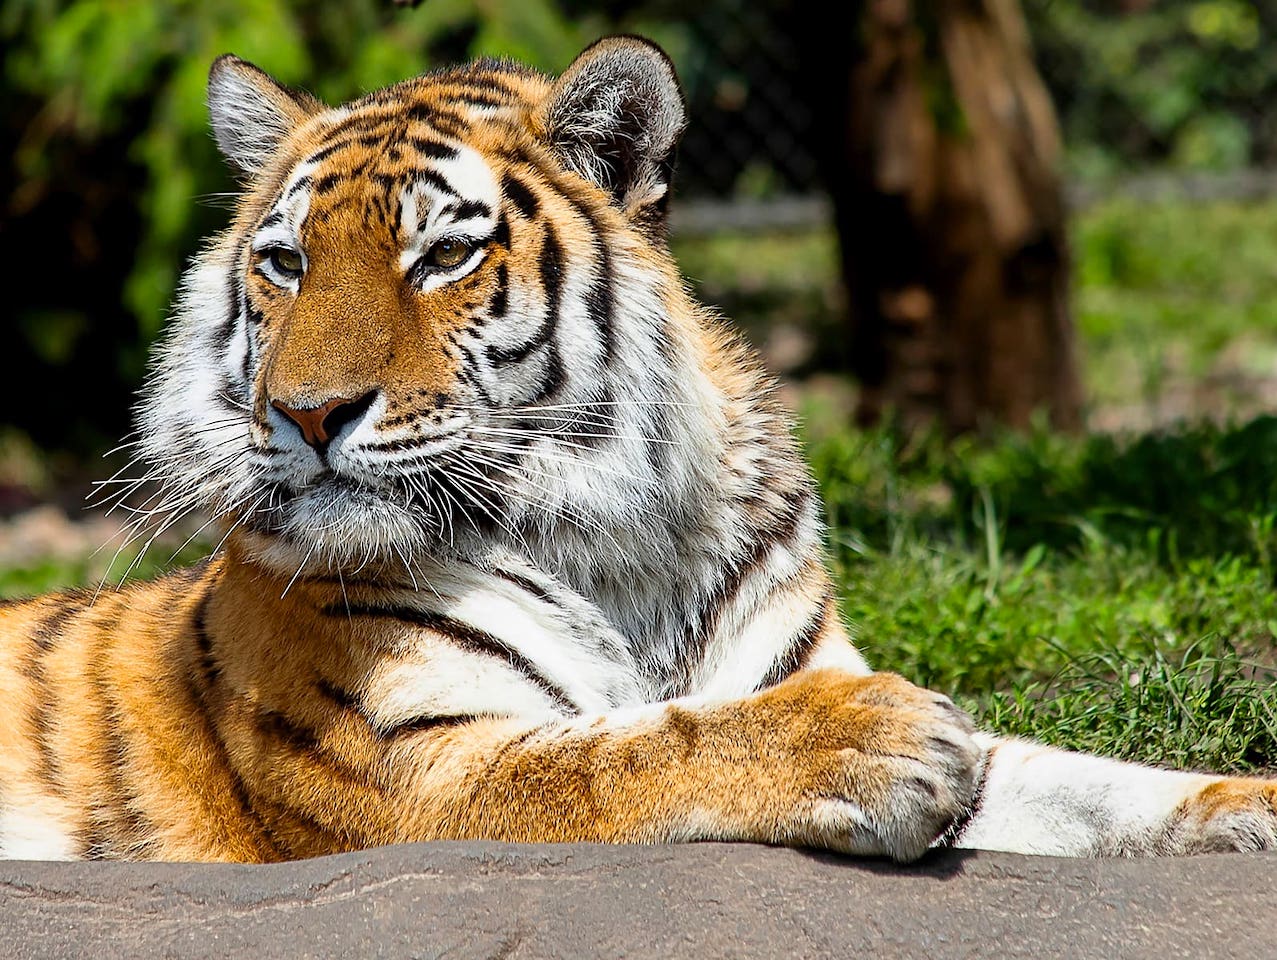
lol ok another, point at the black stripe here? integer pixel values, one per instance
(300, 184)
(210, 673)
(305, 744)
(210, 669)
(489, 73)
(501, 235)
(435, 179)
(478, 98)
(468, 209)
(234, 296)
(346, 701)
(323, 153)
(387, 181)
(421, 113)
(239, 789)
(497, 305)
(359, 169)
(339, 696)
(782, 529)
(797, 655)
(397, 221)
(601, 301)
(450, 125)
(521, 196)
(474, 381)
(551, 269)
(327, 182)
(395, 446)
(120, 828)
(51, 628)
(553, 377)
(423, 723)
(256, 319)
(434, 149)
(365, 123)
(131, 827)
(463, 635)
(43, 638)
(524, 584)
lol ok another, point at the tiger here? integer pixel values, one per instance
(517, 542)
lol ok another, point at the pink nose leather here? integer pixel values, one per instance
(313, 421)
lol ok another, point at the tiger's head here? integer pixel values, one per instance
(444, 310)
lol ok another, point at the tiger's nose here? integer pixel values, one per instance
(320, 424)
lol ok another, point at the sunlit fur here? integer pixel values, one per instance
(554, 569)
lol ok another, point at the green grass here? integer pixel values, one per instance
(1107, 595)
(1195, 710)
(1176, 298)
(96, 569)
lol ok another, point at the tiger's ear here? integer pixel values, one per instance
(614, 117)
(251, 113)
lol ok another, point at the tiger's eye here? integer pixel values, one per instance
(448, 253)
(286, 261)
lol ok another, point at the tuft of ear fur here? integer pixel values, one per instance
(252, 113)
(615, 117)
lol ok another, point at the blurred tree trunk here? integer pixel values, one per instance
(950, 213)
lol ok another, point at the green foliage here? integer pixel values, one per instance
(100, 65)
(1186, 82)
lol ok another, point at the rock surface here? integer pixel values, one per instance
(462, 900)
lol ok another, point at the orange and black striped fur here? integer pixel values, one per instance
(517, 542)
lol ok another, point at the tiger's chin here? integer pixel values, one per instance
(337, 527)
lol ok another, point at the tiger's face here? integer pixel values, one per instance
(441, 311)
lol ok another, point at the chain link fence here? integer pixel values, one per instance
(751, 121)
(748, 162)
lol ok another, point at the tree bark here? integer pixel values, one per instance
(950, 215)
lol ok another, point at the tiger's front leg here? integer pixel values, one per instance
(862, 765)
(1040, 800)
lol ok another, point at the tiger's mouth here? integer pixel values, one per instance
(342, 521)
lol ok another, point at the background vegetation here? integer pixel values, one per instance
(1112, 591)
(111, 179)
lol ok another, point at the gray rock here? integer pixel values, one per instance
(462, 900)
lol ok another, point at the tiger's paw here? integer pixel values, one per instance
(886, 766)
(1235, 813)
